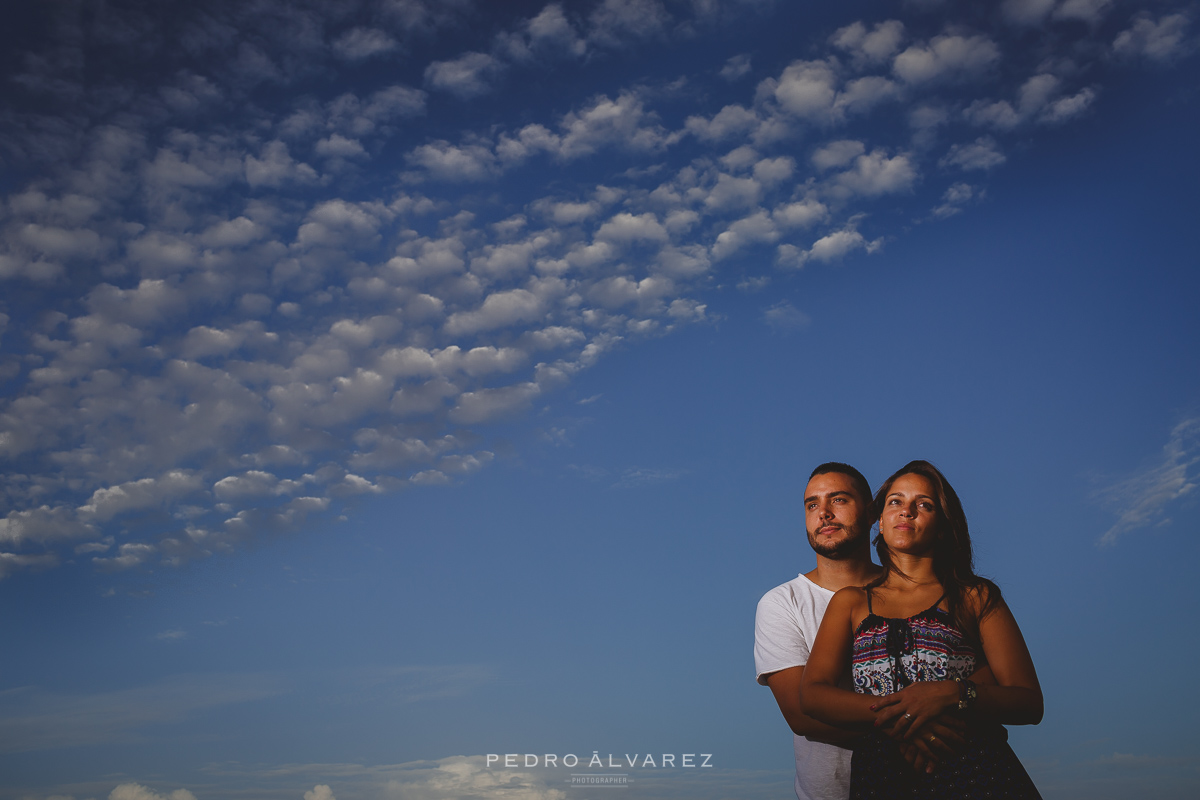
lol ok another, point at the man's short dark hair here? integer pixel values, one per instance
(860, 483)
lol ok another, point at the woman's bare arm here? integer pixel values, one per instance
(1016, 698)
(820, 696)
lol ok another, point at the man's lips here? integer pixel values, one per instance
(828, 529)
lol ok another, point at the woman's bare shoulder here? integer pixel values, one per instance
(848, 598)
(983, 598)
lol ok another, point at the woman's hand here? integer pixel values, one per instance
(909, 710)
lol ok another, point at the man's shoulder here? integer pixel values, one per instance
(799, 585)
(793, 591)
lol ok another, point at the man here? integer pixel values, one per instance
(837, 516)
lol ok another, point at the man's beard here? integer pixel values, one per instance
(846, 547)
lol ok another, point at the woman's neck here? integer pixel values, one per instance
(912, 571)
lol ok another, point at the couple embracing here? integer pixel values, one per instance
(895, 679)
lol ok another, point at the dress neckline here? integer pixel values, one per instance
(933, 609)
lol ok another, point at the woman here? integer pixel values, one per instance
(912, 639)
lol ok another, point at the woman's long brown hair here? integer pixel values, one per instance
(953, 562)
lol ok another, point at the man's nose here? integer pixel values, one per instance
(826, 511)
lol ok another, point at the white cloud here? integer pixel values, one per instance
(731, 194)
(807, 89)
(360, 43)
(498, 310)
(946, 57)
(801, 214)
(954, 198)
(469, 776)
(1038, 99)
(145, 493)
(339, 146)
(837, 154)
(875, 173)
(862, 94)
(488, 404)
(1159, 40)
(619, 22)
(130, 554)
(732, 120)
(1090, 11)
(625, 228)
(466, 76)
(736, 67)
(444, 161)
(870, 46)
(276, 167)
(549, 32)
(623, 122)
(758, 228)
(836, 245)
(978, 155)
(319, 792)
(1145, 499)
(1026, 12)
(783, 317)
(135, 791)
(1064, 109)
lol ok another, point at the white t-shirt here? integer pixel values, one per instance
(784, 629)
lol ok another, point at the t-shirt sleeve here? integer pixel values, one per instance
(778, 641)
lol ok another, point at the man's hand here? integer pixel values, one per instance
(915, 705)
(938, 739)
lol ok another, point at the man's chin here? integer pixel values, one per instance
(843, 548)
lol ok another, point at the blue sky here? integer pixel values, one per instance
(389, 384)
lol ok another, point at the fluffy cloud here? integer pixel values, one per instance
(978, 155)
(251, 306)
(1158, 40)
(616, 22)
(954, 199)
(872, 46)
(135, 791)
(875, 173)
(359, 43)
(946, 57)
(807, 89)
(466, 76)
(1039, 99)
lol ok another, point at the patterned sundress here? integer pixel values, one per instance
(889, 654)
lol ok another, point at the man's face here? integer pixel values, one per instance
(836, 518)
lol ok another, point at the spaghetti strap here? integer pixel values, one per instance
(938, 602)
(869, 611)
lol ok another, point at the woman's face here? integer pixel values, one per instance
(910, 518)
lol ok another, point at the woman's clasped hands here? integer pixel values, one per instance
(920, 719)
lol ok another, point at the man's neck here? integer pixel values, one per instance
(834, 574)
